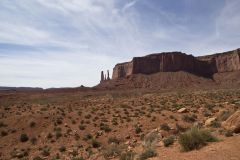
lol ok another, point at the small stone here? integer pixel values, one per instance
(209, 121)
(182, 110)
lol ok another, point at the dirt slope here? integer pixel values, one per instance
(228, 149)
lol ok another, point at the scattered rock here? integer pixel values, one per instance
(233, 122)
(210, 121)
(128, 137)
(182, 110)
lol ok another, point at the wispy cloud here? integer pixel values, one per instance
(67, 43)
(129, 4)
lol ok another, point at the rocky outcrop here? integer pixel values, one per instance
(224, 62)
(233, 122)
(122, 70)
(104, 77)
(204, 66)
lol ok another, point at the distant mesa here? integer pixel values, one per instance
(204, 66)
(175, 69)
(20, 89)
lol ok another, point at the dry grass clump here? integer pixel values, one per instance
(195, 138)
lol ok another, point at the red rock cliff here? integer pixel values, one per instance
(224, 62)
(177, 61)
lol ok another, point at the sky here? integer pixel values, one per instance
(67, 43)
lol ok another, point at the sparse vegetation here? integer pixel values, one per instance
(168, 141)
(95, 143)
(165, 127)
(148, 153)
(195, 138)
(111, 125)
(24, 137)
(129, 155)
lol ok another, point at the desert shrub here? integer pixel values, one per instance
(76, 136)
(88, 116)
(195, 138)
(19, 153)
(62, 149)
(76, 158)
(49, 136)
(23, 137)
(113, 140)
(32, 124)
(165, 127)
(171, 117)
(148, 153)
(2, 124)
(138, 130)
(105, 128)
(189, 118)
(45, 151)
(215, 124)
(4, 133)
(82, 127)
(33, 140)
(59, 120)
(127, 156)
(112, 150)
(87, 137)
(73, 121)
(150, 139)
(168, 141)
(229, 133)
(95, 143)
(37, 158)
(58, 134)
(180, 128)
(74, 153)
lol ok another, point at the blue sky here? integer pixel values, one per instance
(66, 43)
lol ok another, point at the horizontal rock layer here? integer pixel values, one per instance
(176, 61)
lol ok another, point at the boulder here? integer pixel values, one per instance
(210, 121)
(233, 122)
(182, 110)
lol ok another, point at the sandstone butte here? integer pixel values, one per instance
(204, 66)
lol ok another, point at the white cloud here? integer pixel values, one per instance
(129, 5)
(53, 69)
(73, 40)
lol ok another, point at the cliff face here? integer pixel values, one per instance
(176, 61)
(224, 62)
(122, 70)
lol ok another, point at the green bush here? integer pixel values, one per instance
(148, 153)
(82, 127)
(95, 143)
(195, 138)
(127, 156)
(45, 151)
(112, 150)
(189, 118)
(87, 137)
(168, 141)
(23, 138)
(138, 130)
(165, 127)
(151, 139)
(113, 140)
(32, 124)
(37, 158)
(62, 149)
(105, 128)
(4, 133)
